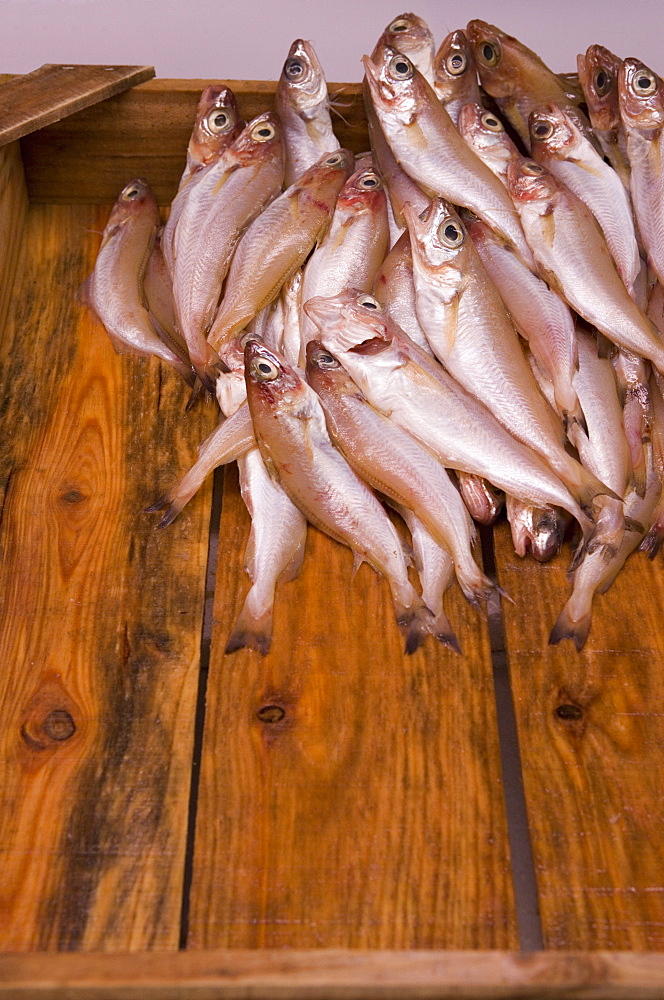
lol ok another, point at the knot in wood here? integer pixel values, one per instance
(72, 496)
(59, 725)
(271, 713)
(569, 713)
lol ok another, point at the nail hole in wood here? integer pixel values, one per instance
(569, 713)
(271, 713)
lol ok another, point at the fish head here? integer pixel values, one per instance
(528, 181)
(325, 373)
(552, 133)
(260, 140)
(363, 191)
(322, 182)
(453, 62)
(598, 74)
(439, 240)
(640, 95)
(302, 81)
(412, 36)
(396, 85)
(496, 57)
(484, 130)
(269, 379)
(135, 199)
(217, 124)
(352, 319)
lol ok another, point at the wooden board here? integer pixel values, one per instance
(350, 795)
(13, 211)
(591, 732)
(101, 617)
(90, 156)
(54, 91)
(334, 975)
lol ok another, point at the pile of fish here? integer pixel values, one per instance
(468, 316)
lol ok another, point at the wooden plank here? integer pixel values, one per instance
(54, 91)
(13, 211)
(350, 795)
(101, 618)
(591, 733)
(334, 975)
(90, 156)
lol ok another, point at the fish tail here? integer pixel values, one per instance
(652, 542)
(209, 367)
(587, 488)
(253, 628)
(415, 622)
(444, 633)
(567, 627)
(574, 418)
(178, 496)
(480, 589)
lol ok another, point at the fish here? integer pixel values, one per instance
(400, 187)
(398, 466)
(291, 295)
(641, 96)
(483, 502)
(598, 75)
(354, 246)
(290, 427)
(465, 322)
(435, 569)
(230, 439)
(426, 144)
(409, 34)
(281, 238)
(537, 530)
(559, 146)
(574, 260)
(455, 74)
(485, 133)
(158, 290)
(410, 387)
(224, 201)
(518, 80)
(302, 104)
(114, 291)
(652, 542)
(632, 375)
(274, 552)
(394, 287)
(217, 125)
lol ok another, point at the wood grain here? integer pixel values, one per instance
(591, 732)
(54, 91)
(13, 211)
(371, 814)
(334, 975)
(90, 156)
(101, 617)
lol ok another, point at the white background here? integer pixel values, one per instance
(231, 39)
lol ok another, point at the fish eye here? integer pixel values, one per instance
(368, 181)
(400, 68)
(456, 63)
(602, 82)
(264, 370)
(450, 233)
(325, 360)
(490, 53)
(532, 169)
(131, 193)
(401, 24)
(491, 122)
(263, 132)
(218, 121)
(335, 160)
(293, 68)
(645, 83)
(368, 301)
(542, 129)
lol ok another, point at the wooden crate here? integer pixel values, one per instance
(336, 819)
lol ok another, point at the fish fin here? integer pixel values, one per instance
(633, 525)
(357, 562)
(443, 632)
(567, 627)
(652, 542)
(251, 630)
(83, 293)
(451, 322)
(477, 593)
(573, 419)
(292, 570)
(196, 390)
(416, 623)
(586, 491)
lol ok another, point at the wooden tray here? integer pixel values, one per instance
(336, 819)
